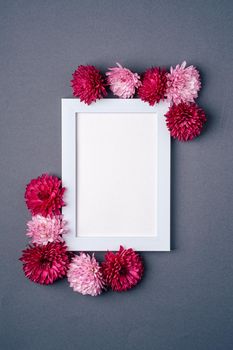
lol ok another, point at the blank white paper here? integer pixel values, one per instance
(116, 174)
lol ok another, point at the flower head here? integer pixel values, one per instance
(185, 121)
(44, 195)
(154, 85)
(84, 275)
(123, 83)
(45, 264)
(183, 84)
(42, 229)
(122, 270)
(88, 84)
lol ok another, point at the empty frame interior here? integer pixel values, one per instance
(116, 174)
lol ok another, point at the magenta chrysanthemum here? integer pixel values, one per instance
(123, 83)
(154, 85)
(183, 84)
(88, 84)
(85, 276)
(185, 121)
(42, 229)
(122, 270)
(44, 195)
(45, 264)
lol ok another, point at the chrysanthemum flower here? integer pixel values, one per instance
(122, 270)
(42, 229)
(45, 264)
(154, 85)
(183, 84)
(123, 83)
(185, 121)
(44, 195)
(84, 275)
(88, 84)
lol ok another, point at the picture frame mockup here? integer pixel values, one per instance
(116, 170)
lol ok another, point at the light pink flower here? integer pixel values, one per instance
(183, 84)
(42, 229)
(123, 83)
(84, 275)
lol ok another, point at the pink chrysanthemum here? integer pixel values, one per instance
(154, 85)
(185, 121)
(44, 195)
(45, 264)
(123, 83)
(85, 276)
(122, 270)
(183, 84)
(42, 229)
(88, 84)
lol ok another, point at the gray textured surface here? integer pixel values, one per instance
(185, 299)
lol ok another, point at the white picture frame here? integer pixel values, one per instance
(116, 170)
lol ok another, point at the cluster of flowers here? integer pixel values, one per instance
(46, 259)
(180, 86)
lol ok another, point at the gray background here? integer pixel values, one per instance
(185, 299)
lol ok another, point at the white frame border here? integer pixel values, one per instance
(161, 242)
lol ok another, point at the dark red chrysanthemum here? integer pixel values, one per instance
(44, 195)
(185, 121)
(88, 84)
(45, 264)
(122, 270)
(154, 85)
